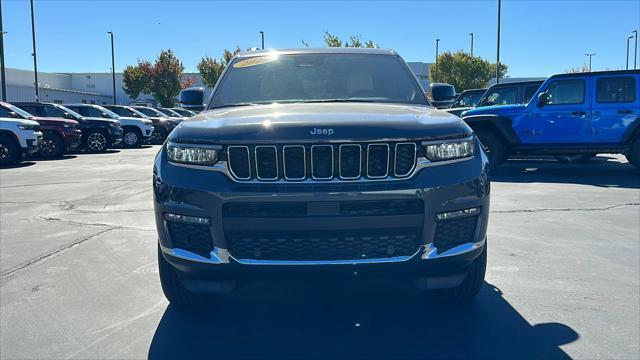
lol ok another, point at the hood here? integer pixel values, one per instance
(497, 110)
(112, 122)
(54, 121)
(334, 122)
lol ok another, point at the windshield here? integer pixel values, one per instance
(150, 112)
(63, 110)
(469, 99)
(127, 112)
(317, 78)
(6, 108)
(184, 112)
(169, 113)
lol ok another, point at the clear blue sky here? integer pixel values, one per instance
(539, 38)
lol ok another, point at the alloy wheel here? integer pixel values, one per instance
(4, 152)
(96, 141)
(49, 146)
(131, 138)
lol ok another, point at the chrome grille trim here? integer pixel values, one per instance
(368, 161)
(395, 162)
(246, 148)
(359, 161)
(304, 164)
(275, 151)
(313, 175)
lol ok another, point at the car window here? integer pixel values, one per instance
(566, 92)
(32, 110)
(616, 89)
(87, 111)
(293, 78)
(4, 112)
(529, 91)
(52, 111)
(502, 96)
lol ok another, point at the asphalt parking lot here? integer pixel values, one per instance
(79, 276)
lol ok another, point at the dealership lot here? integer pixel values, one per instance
(79, 276)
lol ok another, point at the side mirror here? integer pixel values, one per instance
(13, 114)
(105, 115)
(543, 99)
(66, 115)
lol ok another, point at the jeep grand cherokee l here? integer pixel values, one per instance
(18, 137)
(97, 134)
(59, 135)
(320, 161)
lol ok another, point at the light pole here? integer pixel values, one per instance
(435, 75)
(262, 39)
(590, 55)
(498, 45)
(2, 75)
(35, 57)
(628, 38)
(113, 68)
(635, 50)
(471, 34)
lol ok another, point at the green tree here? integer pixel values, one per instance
(332, 40)
(464, 71)
(136, 79)
(166, 78)
(211, 69)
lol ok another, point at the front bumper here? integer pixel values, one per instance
(116, 135)
(147, 132)
(72, 138)
(440, 188)
(33, 143)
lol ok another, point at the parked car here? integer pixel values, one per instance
(172, 114)
(505, 93)
(571, 116)
(59, 135)
(183, 112)
(162, 124)
(18, 137)
(346, 169)
(135, 130)
(192, 99)
(466, 100)
(442, 95)
(98, 134)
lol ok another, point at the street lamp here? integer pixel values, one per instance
(2, 75)
(628, 38)
(262, 39)
(590, 55)
(113, 68)
(435, 75)
(35, 57)
(635, 50)
(498, 45)
(471, 34)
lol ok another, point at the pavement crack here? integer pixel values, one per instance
(605, 208)
(52, 253)
(80, 223)
(71, 182)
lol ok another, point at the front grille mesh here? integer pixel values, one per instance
(322, 162)
(194, 238)
(324, 245)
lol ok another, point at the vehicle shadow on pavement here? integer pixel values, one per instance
(599, 171)
(347, 323)
(19, 165)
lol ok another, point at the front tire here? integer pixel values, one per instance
(471, 284)
(172, 287)
(132, 138)
(158, 136)
(634, 153)
(96, 141)
(52, 146)
(493, 147)
(8, 151)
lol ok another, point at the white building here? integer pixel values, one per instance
(97, 88)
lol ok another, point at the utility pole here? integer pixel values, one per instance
(471, 34)
(262, 39)
(590, 55)
(35, 57)
(628, 38)
(2, 74)
(113, 68)
(498, 45)
(435, 75)
(635, 50)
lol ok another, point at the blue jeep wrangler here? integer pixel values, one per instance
(571, 116)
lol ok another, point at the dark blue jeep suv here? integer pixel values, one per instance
(572, 116)
(327, 162)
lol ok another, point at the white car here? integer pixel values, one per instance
(135, 131)
(18, 137)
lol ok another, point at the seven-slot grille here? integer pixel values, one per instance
(322, 161)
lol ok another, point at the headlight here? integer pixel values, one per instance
(449, 150)
(26, 127)
(192, 154)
